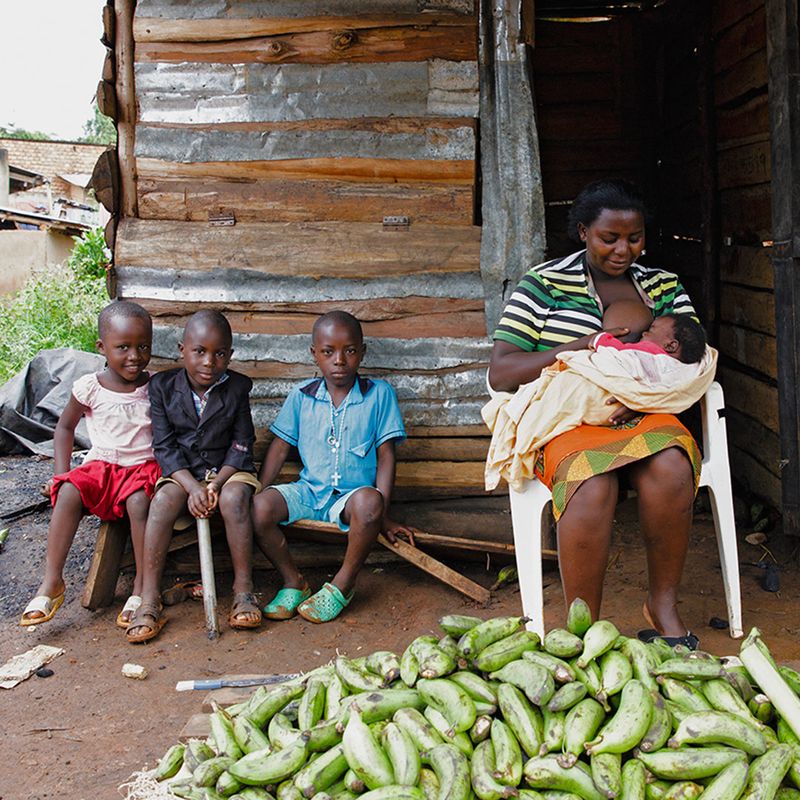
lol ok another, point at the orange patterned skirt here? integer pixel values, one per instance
(589, 450)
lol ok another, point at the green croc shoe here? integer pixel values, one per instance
(325, 605)
(284, 604)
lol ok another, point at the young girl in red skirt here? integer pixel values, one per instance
(119, 473)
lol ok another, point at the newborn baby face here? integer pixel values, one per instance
(631, 314)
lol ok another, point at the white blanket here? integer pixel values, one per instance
(576, 390)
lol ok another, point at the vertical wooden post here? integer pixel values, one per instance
(709, 200)
(126, 105)
(783, 59)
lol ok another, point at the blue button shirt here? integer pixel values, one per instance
(368, 417)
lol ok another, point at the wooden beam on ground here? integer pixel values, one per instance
(415, 556)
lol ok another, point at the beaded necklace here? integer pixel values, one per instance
(334, 438)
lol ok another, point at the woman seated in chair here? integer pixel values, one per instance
(558, 306)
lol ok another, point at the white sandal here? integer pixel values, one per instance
(131, 604)
(46, 606)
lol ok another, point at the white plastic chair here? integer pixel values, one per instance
(527, 507)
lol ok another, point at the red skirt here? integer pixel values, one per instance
(105, 487)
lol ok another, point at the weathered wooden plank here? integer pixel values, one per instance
(287, 20)
(750, 396)
(424, 474)
(343, 169)
(750, 266)
(330, 45)
(379, 308)
(743, 121)
(233, 284)
(106, 180)
(755, 477)
(746, 214)
(316, 250)
(575, 89)
(758, 351)
(748, 434)
(727, 13)
(456, 448)
(745, 165)
(303, 201)
(748, 308)
(747, 36)
(211, 93)
(443, 323)
(566, 157)
(126, 105)
(419, 141)
(559, 123)
(747, 75)
(106, 98)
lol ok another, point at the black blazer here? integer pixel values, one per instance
(224, 435)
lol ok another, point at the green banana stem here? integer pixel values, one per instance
(761, 668)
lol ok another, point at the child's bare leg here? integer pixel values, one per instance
(234, 505)
(137, 506)
(166, 506)
(269, 509)
(64, 523)
(363, 512)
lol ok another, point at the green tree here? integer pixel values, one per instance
(90, 256)
(99, 129)
(10, 132)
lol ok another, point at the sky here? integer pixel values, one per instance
(51, 60)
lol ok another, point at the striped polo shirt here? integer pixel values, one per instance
(555, 302)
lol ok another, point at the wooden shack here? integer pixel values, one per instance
(406, 160)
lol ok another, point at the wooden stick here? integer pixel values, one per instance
(422, 560)
(207, 577)
(441, 571)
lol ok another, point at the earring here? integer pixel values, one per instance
(643, 252)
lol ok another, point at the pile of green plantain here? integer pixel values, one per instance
(492, 712)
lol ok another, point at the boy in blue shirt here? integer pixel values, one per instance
(345, 428)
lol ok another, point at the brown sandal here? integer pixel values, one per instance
(186, 590)
(147, 616)
(244, 603)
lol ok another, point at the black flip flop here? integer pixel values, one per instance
(689, 640)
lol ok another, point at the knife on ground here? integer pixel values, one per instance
(210, 684)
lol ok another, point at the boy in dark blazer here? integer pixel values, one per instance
(203, 441)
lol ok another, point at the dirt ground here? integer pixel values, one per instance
(81, 732)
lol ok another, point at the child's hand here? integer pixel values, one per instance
(47, 489)
(199, 502)
(213, 495)
(391, 530)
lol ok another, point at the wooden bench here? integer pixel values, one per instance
(109, 554)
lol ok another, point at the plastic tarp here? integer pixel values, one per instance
(32, 401)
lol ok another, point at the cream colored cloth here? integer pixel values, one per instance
(574, 391)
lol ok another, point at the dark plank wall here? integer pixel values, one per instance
(747, 308)
(587, 93)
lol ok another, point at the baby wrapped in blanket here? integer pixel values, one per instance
(667, 371)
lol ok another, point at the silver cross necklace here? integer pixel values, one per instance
(334, 438)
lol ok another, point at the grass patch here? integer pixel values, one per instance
(57, 307)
